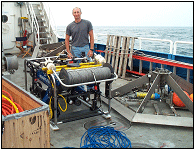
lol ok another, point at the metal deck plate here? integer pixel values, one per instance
(142, 145)
(115, 122)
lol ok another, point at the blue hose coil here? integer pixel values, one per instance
(104, 137)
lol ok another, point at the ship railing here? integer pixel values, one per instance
(97, 35)
(33, 21)
(173, 46)
(140, 41)
(153, 39)
(181, 42)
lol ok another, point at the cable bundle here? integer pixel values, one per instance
(84, 75)
(104, 137)
(9, 106)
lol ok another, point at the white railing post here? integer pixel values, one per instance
(140, 43)
(183, 42)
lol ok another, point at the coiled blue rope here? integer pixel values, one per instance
(104, 137)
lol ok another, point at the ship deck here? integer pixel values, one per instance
(141, 135)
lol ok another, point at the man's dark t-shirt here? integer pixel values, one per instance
(79, 32)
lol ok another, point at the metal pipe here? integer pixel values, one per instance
(188, 74)
(25, 74)
(84, 102)
(148, 96)
(109, 98)
(55, 100)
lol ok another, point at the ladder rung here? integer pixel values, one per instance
(42, 21)
(35, 4)
(39, 15)
(43, 26)
(44, 32)
(45, 38)
(43, 44)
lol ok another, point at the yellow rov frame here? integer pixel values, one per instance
(82, 65)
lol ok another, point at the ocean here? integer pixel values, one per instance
(155, 32)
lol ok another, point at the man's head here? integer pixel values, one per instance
(77, 13)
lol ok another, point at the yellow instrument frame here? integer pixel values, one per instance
(82, 65)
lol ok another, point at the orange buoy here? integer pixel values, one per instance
(177, 101)
(191, 96)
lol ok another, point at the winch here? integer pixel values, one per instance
(9, 63)
(58, 78)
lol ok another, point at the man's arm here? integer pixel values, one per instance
(91, 39)
(67, 46)
(90, 53)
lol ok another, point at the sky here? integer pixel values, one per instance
(125, 13)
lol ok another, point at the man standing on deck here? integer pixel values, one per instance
(79, 30)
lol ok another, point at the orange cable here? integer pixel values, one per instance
(7, 107)
(9, 97)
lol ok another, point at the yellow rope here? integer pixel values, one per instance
(51, 113)
(15, 107)
(65, 103)
(50, 80)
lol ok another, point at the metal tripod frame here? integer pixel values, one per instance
(159, 77)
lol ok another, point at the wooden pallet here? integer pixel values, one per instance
(130, 64)
(118, 49)
(125, 58)
(110, 48)
(117, 55)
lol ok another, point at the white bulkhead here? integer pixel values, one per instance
(12, 24)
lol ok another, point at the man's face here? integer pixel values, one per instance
(76, 13)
